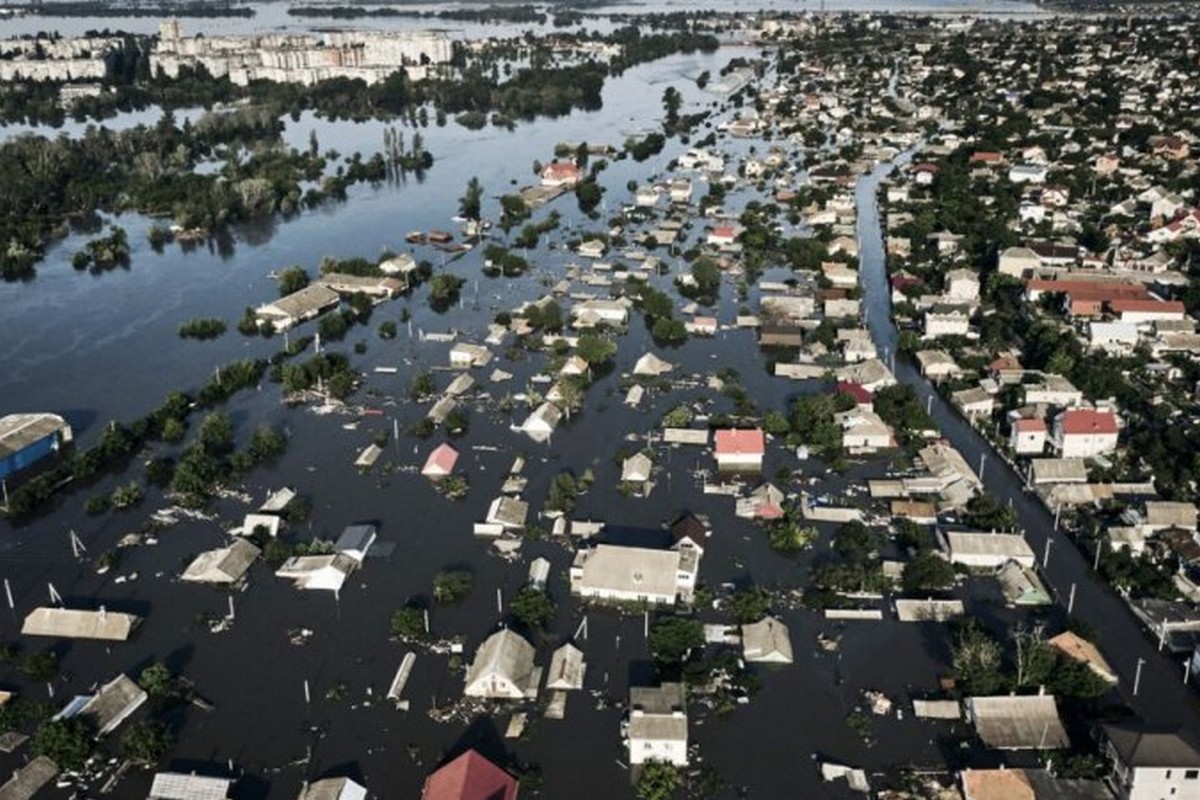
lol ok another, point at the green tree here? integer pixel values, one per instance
(408, 622)
(595, 349)
(67, 742)
(927, 572)
(470, 204)
(216, 434)
(532, 607)
(41, 666)
(452, 586)
(673, 638)
(157, 681)
(146, 742)
(750, 605)
(658, 781)
(422, 386)
(977, 659)
(292, 279)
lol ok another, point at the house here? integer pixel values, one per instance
(567, 668)
(1034, 174)
(1022, 586)
(1149, 762)
(1164, 514)
(767, 641)
(1017, 261)
(863, 399)
(226, 565)
(863, 430)
(464, 355)
(978, 550)
(597, 311)
(651, 365)
(658, 724)
(539, 573)
(355, 541)
(974, 402)
(440, 462)
(1084, 433)
(636, 468)
(1051, 471)
(781, 336)
(297, 307)
(739, 449)
(508, 512)
(188, 786)
(573, 367)
(28, 780)
(1011, 722)
(1053, 390)
(996, 784)
(470, 776)
(560, 173)
(680, 191)
(503, 669)
(702, 326)
(635, 574)
(73, 623)
(105, 710)
(403, 264)
(937, 365)
(540, 424)
(688, 532)
(647, 196)
(1117, 338)
(924, 174)
(592, 248)
(1144, 311)
(327, 572)
(1072, 645)
(1028, 437)
(724, 235)
(765, 502)
(946, 322)
(333, 789)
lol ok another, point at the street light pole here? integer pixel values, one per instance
(1071, 599)
(1137, 676)
(982, 461)
(1046, 553)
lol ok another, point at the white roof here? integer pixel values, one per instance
(638, 570)
(181, 786)
(70, 623)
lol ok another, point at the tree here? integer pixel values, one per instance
(157, 681)
(469, 205)
(977, 659)
(595, 349)
(292, 279)
(422, 386)
(927, 572)
(986, 513)
(1033, 658)
(146, 742)
(452, 586)
(408, 622)
(750, 605)
(658, 781)
(532, 607)
(41, 666)
(588, 193)
(673, 638)
(67, 742)
(563, 491)
(216, 434)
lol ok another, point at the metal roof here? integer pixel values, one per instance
(181, 786)
(69, 623)
(18, 431)
(27, 780)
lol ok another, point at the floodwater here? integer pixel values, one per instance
(103, 347)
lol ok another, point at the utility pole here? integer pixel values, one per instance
(1046, 553)
(1071, 599)
(982, 462)
(1137, 676)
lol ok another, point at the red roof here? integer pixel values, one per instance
(931, 168)
(441, 461)
(987, 157)
(1082, 421)
(1089, 290)
(561, 169)
(856, 390)
(1123, 304)
(732, 442)
(470, 777)
(1029, 426)
(1005, 364)
(725, 231)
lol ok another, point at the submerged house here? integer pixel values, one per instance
(470, 776)
(658, 726)
(225, 565)
(503, 669)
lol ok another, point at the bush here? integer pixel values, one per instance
(452, 586)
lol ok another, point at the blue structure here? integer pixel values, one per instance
(26, 439)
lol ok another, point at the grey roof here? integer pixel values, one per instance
(664, 699)
(309, 300)
(183, 786)
(18, 431)
(333, 789)
(638, 570)
(113, 704)
(27, 780)
(1149, 746)
(224, 565)
(506, 655)
(70, 623)
(658, 713)
(355, 537)
(975, 543)
(567, 668)
(1018, 723)
(767, 640)
(1058, 470)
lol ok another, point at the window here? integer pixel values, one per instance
(1191, 774)
(1168, 775)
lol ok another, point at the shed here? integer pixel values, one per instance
(26, 439)
(1022, 586)
(1074, 646)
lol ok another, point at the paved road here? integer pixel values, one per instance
(1162, 696)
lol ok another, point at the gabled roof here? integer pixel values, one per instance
(1083, 421)
(997, 784)
(333, 789)
(856, 390)
(470, 777)
(1140, 745)
(26, 781)
(441, 461)
(731, 442)
(688, 526)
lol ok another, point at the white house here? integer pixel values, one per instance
(962, 286)
(978, 550)
(680, 191)
(503, 669)
(1151, 763)
(767, 641)
(567, 668)
(658, 728)
(1016, 261)
(635, 574)
(1028, 437)
(328, 572)
(1083, 433)
(540, 424)
(739, 449)
(946, 323)
(1113, 337)
(1028, 173)
(863, 430)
